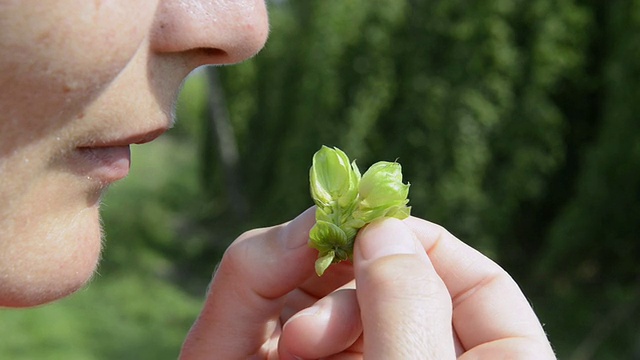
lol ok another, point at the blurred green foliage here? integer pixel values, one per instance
(516, 123)
(124, 316)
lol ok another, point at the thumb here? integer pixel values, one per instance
(405, 307)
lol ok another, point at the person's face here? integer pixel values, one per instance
(81, 80)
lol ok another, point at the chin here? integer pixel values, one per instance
(55, 261)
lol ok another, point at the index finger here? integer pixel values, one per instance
(489, 309)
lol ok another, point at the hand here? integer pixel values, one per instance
(266, 302)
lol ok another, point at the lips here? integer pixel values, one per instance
(105, 164)
(108, 159)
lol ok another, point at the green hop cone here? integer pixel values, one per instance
(346, 201)
(333, 179)
(382, 193)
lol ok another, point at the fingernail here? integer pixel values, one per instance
(310, 311)
(386, 237)
(296, 233)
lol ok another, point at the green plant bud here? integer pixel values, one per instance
(346, 201)
(333, 179)
(325, 259)
(325, 236)
(382, 193)
(369, 215)
(382, 185)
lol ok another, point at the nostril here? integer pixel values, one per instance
(213, 52)
(208, 55)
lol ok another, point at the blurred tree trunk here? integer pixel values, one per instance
(224, 137)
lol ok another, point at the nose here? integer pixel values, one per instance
(211, 31)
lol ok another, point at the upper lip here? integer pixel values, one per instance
(140, 137)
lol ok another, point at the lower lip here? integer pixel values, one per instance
(105, 164)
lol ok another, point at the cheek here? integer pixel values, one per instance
(67, 53)
(84, 46)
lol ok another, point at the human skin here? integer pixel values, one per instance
(81, 81)
(421, 294)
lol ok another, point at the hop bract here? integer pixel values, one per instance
(346, 201)
(382, 193)
(333, 178)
